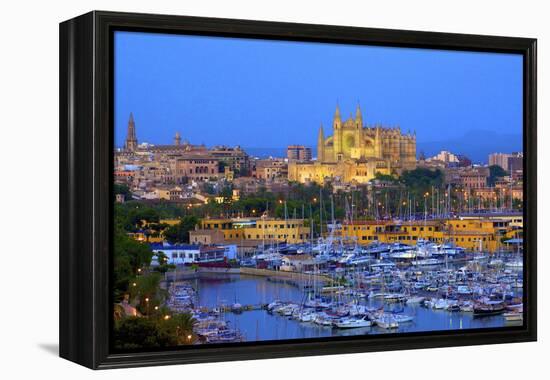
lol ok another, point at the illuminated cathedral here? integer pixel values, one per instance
(355, 152)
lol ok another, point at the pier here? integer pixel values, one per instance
(296, 277)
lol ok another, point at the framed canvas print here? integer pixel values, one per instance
(237, 190)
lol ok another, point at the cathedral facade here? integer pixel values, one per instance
(355, 152)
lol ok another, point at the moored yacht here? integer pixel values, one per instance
(353, 322)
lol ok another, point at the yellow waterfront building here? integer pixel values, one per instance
(472, 232)
(356, 152)
(487, 234)
(265, 229)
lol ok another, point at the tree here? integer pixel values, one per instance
(182, 326)
(226, 192)
(129, 255)
(122, 189)
(385, 177)
(146, 290)
(179, 233)
(422, 178)
(208, 188)
(495, 173)
(137, 332)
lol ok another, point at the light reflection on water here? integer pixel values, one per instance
(260, 325)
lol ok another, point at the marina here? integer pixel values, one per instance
(387, 293)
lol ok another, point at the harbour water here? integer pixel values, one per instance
(256, 325)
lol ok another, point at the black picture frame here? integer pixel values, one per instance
(86, 151)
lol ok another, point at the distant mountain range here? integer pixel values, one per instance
(476, 145)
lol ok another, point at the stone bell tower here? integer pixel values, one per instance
(131, 140)
(337, 134)
(321, 145)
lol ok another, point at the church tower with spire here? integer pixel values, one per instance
(177, 139)
(358, 134)
(337, 130)
(131, 140)
(358, 117)
(321, 145)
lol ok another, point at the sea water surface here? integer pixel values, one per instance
(259, 325)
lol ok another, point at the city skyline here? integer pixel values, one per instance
(426, 149)
(431, 90)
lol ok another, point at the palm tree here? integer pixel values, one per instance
(183, 326)
(146, 290)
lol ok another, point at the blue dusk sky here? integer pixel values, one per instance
(270, 94)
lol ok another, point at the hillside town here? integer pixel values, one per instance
(349, 233)
(472, 200)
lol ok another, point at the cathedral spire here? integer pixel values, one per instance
(337, 122)
(321, 144)
(337, 112)
(131, 139)
(358, 117)
(358, 112)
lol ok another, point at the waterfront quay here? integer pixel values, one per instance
(375, 291)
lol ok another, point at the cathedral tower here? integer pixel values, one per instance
(321, 145)
(177, 139)
(338, 135)
(358, 135)
(358, 117)
(131, 139)
(377, 143)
